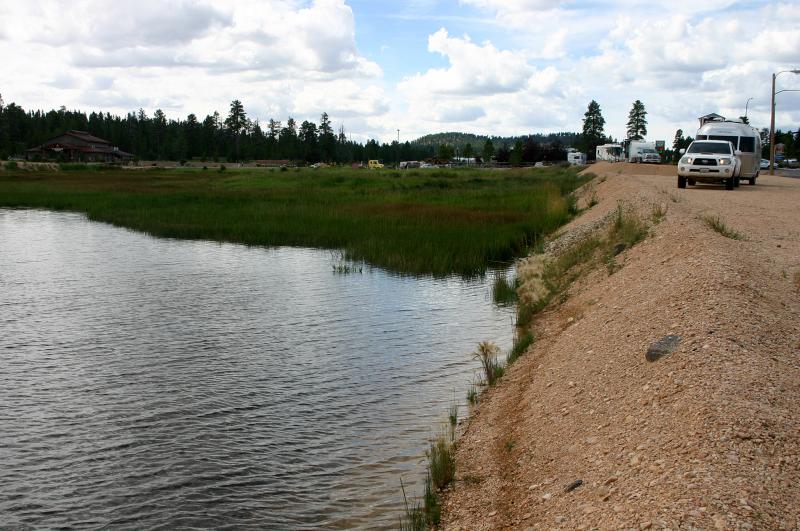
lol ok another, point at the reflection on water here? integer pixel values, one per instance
(151, 382)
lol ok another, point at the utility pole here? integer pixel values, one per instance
(772, 119)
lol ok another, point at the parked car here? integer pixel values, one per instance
(710, 161)
(764, 164)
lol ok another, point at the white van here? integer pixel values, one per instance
(744, 138)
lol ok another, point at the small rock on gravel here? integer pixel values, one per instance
(663, 347)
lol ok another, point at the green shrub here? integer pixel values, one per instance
(658, 212)
(718, 225)
(472, 394)
(627, 228)
(441, 462)
(419, 518)
(521, 344)
(73, 166)
(504, 291)
(487, 354)
(414, 518)
(433, 510)
(12, 165)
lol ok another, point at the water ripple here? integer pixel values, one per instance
(164, 384)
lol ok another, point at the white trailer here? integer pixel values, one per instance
(609, 152)
(576, 158)
(744, 138)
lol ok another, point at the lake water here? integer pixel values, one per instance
(151, 383)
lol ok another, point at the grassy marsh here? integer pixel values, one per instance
(436, 222)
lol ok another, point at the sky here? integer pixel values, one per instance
(495, 67)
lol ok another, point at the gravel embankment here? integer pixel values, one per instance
(705, 437)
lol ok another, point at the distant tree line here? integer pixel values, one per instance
(236, 137)
(232, 138)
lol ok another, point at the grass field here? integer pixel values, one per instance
(436, 222)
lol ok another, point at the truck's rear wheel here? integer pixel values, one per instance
(681, 182)
(729, 183)
(752, 181)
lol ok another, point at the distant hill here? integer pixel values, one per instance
(459, 140)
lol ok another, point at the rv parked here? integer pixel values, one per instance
(609, 152)
(576, 158)
(743, 137)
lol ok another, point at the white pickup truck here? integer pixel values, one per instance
(709, 161)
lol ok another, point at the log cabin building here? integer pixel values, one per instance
(78, 146)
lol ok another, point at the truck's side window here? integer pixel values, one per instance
(747, 144)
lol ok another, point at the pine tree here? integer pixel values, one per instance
(273, 131)
(676, 144)
(236, 122)
(516, 155)
(593, 125)
(308, 140)
(287, 142)
(327, 140)
(468, 151)
(637, 121)
(488, 151)
(445, 152)
(159, 135)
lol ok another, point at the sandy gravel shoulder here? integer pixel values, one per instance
(706, 437)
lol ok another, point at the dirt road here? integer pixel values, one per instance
(705, 437)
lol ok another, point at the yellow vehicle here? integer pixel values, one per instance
(374, 165)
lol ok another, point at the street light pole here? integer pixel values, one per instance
(772, 120)
(772, 129)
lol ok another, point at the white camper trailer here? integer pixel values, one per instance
(609, 152)
(744, 138)
(576, 158)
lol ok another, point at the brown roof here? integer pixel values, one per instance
(81, 141)
(86, 137)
